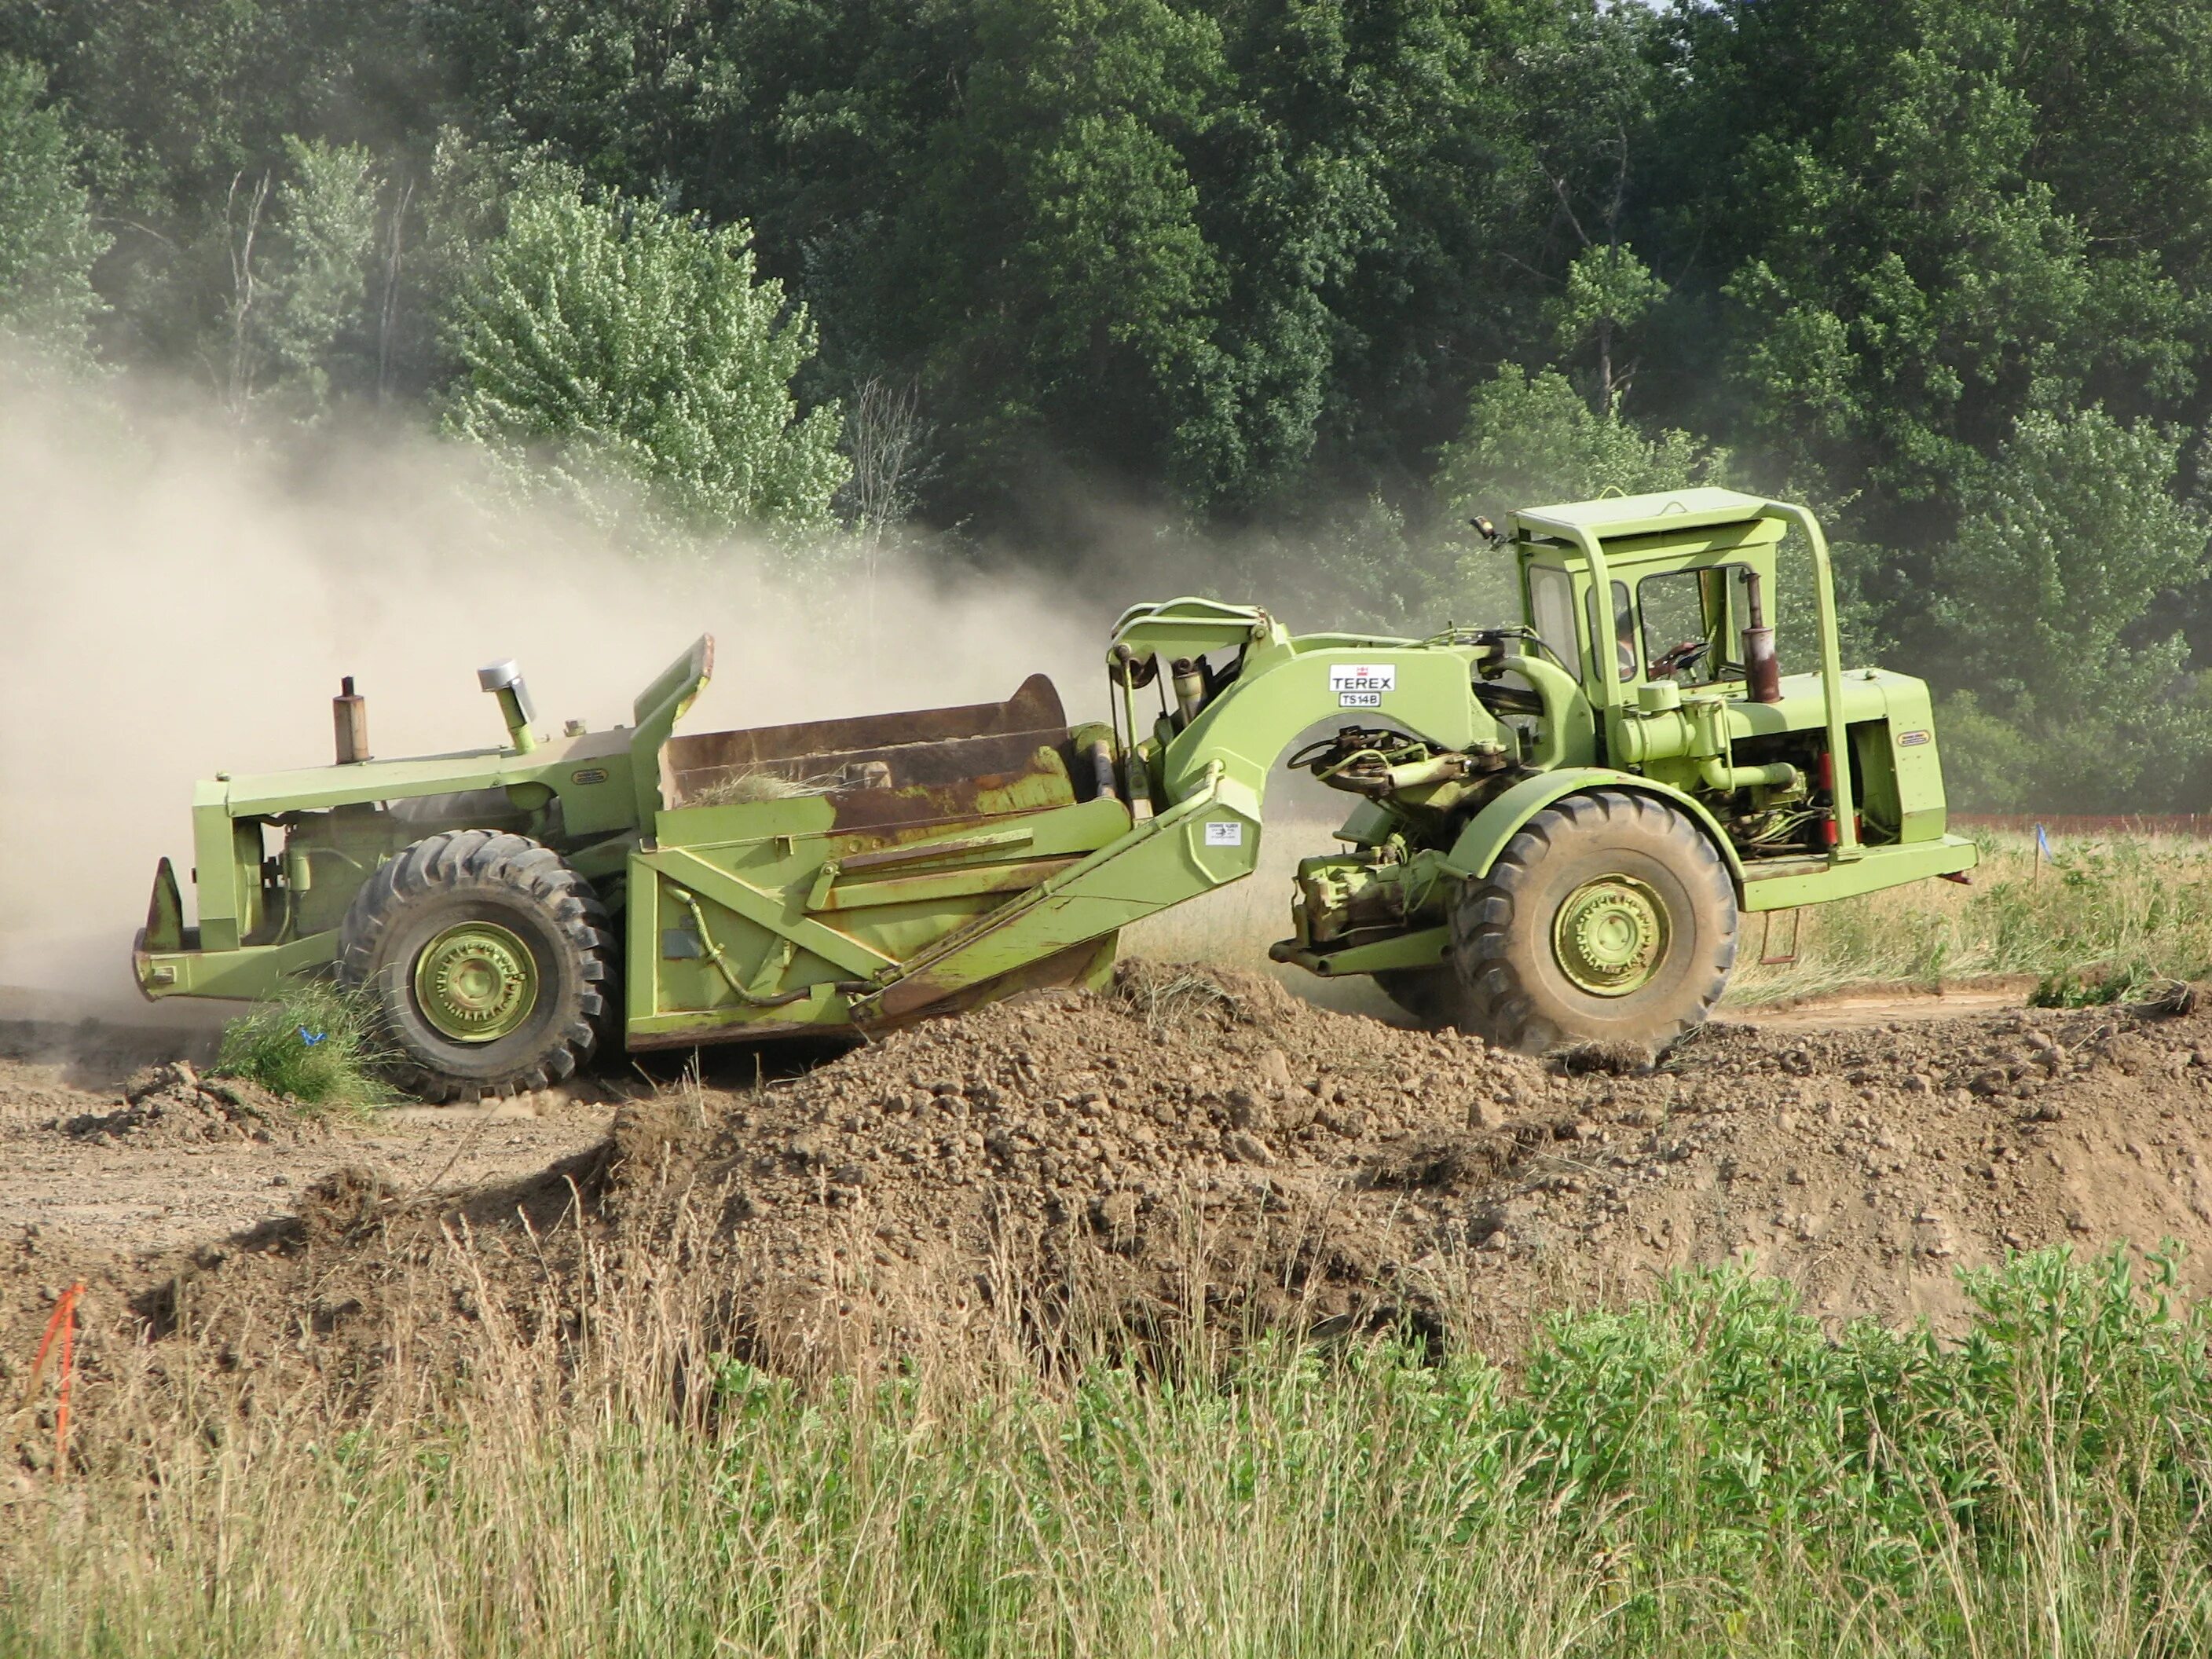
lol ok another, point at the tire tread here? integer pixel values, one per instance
(463, 859)
(1498, 1005)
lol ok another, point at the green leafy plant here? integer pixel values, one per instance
(316, 1046)
(604, 337)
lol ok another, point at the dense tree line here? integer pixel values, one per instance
(1300, 282)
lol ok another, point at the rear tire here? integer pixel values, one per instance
(490, 963)
(1610, 917)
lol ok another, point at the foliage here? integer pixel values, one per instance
(47, 242)
(298, 283)
(1250, 274)
(1608, 289)
(612, 338)
(1531, 441)
(1704, 1471)
(316, 1045)
(2058, 597)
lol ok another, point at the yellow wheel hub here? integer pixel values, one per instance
(477, 982)
(1610, 936)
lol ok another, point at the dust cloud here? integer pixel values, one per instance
(179, 599)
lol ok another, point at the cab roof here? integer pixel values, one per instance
(1617, 516)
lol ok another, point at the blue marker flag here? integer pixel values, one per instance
(310, 1038)
(2042, 844)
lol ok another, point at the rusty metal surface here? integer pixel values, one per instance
(901, 771)
(1035, 708)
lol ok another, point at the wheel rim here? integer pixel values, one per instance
(477, 982)
(1610, 936)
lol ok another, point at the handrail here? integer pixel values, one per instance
(1831, 679)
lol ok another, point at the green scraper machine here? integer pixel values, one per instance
(1558, 823)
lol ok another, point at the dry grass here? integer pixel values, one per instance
(2122, 912)
(759, 784)
(1706, 1474)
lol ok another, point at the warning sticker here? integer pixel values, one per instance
(1361, 685)
(1224, 835)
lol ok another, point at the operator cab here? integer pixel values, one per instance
(1684, 574)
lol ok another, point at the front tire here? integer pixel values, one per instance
(1610, 917)
(489, 962)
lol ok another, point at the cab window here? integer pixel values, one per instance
(1675, 614)
(1685, 607)
(1552, 613)
(1623, 630)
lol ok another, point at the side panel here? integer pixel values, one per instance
(226, 904)
(1880, 867)
(255, 972)
(744, 937)
(1206, 841)
(1915, 762)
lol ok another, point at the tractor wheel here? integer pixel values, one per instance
(490, 961)
(1609, 917)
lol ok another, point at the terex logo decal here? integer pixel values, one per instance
(1361, 685)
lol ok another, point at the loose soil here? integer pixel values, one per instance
(114, 1144)
(1196, 1146)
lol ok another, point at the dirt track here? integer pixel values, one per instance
(1193, 1142)
(92, 1176)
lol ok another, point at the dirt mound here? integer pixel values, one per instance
(1191, 1134)
(1210, 1137)
(171, 1104)
(1204, 1147)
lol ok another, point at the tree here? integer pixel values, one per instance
(1061, 285)
(177, 100)
(1533, 440)
(2057, 598)
(599, 337)
(1608, 291)
(47, 242)
(1530, 440)
(1585, 85)
(1354, 186)
(299, 282)
(1907, 281)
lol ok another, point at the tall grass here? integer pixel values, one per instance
(2123, 910)
(1705, 1472)
(317, 1046)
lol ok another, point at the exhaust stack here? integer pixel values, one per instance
(349, 715)
(1761, 671)
(504, 680)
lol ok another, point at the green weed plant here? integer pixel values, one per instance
(316, 1046)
